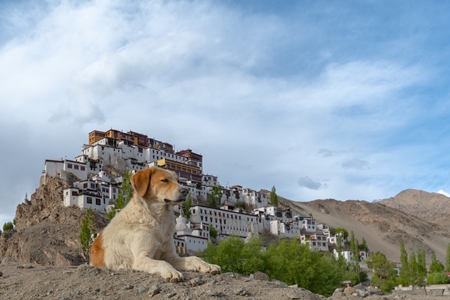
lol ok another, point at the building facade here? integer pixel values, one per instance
(226, 222)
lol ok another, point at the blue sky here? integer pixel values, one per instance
(322, 99)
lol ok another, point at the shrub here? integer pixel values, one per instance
(438, 278)
(8, 226)
(212, 232)
(287, 261)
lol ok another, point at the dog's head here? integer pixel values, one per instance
(158, 185)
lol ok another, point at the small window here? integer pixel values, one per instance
(97, 201)
(89, 200)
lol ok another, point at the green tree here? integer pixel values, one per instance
(274, 197)
(363, 246)
(124, 196)
(292, 263)
(212, 231)
(344, 232)
(187, 206)
(353, 265)
(421, 267)
(447, 259)
(87, 231)
(384, 273)
(436, 266)
(241, 204)
(216, 196)
(404, 276)
(413, 269)
(342, 264)
(8, 226)
(438, 278)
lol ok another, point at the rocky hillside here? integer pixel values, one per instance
(46, 232)
(432, 207)
(382, 226)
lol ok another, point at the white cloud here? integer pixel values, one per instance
(258, 94)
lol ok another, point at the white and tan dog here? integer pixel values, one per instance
(140, 237)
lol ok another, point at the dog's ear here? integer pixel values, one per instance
(141, 181)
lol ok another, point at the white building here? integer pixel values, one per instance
(364, 255)
(253, 198)
(180, 245)
(278, 221)
(285, 229)
(346, 254)
(62, 167)
(309, 224)
(317, 242)
(226, 222)
(89, 194)
(333, 239)
(195, 236)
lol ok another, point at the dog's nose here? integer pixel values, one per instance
(184, 191)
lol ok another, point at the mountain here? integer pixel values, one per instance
(386, 223)
(433, 207)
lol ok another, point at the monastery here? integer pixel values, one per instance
(95, 177)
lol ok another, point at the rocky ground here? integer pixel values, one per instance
(32, 281)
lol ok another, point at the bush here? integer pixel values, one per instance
(233, 255)
(287, 261)
(8, 226)
(241, 204)
(438, 278)
(212, 232)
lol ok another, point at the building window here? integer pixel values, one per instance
(98, 202)
(89, 200)
(76, 167)
(83, 168)
(69, 166)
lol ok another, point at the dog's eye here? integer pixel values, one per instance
(165, 180)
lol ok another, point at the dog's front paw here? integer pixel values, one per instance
(214, 269)
(208, 268)
(172, 276)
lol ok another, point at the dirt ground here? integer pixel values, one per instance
(30, 281)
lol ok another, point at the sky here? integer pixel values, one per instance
(322, 99)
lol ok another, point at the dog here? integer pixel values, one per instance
(140, 237)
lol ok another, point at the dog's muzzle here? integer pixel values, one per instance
(183, 195)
